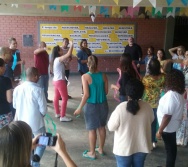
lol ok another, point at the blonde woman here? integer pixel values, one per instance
(95, 86)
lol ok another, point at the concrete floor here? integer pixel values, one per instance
(76, 136)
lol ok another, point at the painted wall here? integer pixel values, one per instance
(148, 32)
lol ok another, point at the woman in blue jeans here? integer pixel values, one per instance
(129, 120)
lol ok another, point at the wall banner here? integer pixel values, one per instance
(103, 39)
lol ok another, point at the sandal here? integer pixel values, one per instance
(97, 150)
(85, 155)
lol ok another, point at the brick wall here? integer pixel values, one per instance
(148, 32)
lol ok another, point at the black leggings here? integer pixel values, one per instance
(170, 147)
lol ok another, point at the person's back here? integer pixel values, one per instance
(96, 88)
(29, 102)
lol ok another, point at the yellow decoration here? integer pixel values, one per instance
(116, 1)
(102, 38)
(115, 10)
(149, 9)
(40, 6)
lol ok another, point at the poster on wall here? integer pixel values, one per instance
(103, 39)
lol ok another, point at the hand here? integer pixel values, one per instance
(138, 65)
(23, 62)
(60, 145)
(158, 135)
(77, 111)
(71, 43)
(35, 141)
(112, 86)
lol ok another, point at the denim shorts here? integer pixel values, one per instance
(5, 119)
(95, 115)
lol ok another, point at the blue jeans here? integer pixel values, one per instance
(39, 150)
(154, 126)
(43, 82)
(134, 160)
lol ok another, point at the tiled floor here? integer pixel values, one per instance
(76, 136)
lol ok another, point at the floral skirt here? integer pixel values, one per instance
(182, 133)
(5, 119)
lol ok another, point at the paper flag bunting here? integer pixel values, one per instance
(78, 8)
(177, 10)
(169, 2)
(52, 7)
(92, 9)
(40, 6)
(185, 2)
(14, 5)
(64, 8)
(115, 10)
(27, 6)
(131, 11)
(136, 2)
(170, 12)
(183, 12)
(78, 1)
(123, 7)
(158, 10)
(141, 11)
(148, 9)
(104, 10)
(116, 1)
(153, 2)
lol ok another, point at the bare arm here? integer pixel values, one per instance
(39, 50)
(172, 50)
(9, 95)
(105, 83)
(60, 148)
(165, 121)
(85, 96)
(114, 87)
(68, 54)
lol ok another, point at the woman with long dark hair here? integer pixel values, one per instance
(59, 81)
(129, 120)
(126, 72)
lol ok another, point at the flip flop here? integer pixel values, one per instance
(85, 155)
(96, 150)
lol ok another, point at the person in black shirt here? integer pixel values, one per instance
(5, 96)
(135, 51)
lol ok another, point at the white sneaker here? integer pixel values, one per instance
(154, 145)
(65, 119)
(57, 115)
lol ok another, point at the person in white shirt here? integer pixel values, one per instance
(59, 81)
(131, 121)
(169, 113)
(31, 106)
(66, 61)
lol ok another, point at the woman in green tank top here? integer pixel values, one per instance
(94, 101)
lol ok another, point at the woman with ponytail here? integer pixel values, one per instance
(131, 121)
(95, 86)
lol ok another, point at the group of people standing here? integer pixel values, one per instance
(164, 90)
(138, 114)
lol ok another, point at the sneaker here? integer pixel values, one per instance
(154, 145)
(65, 119)
(57, 115)
(69, 97)
(49, 101)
